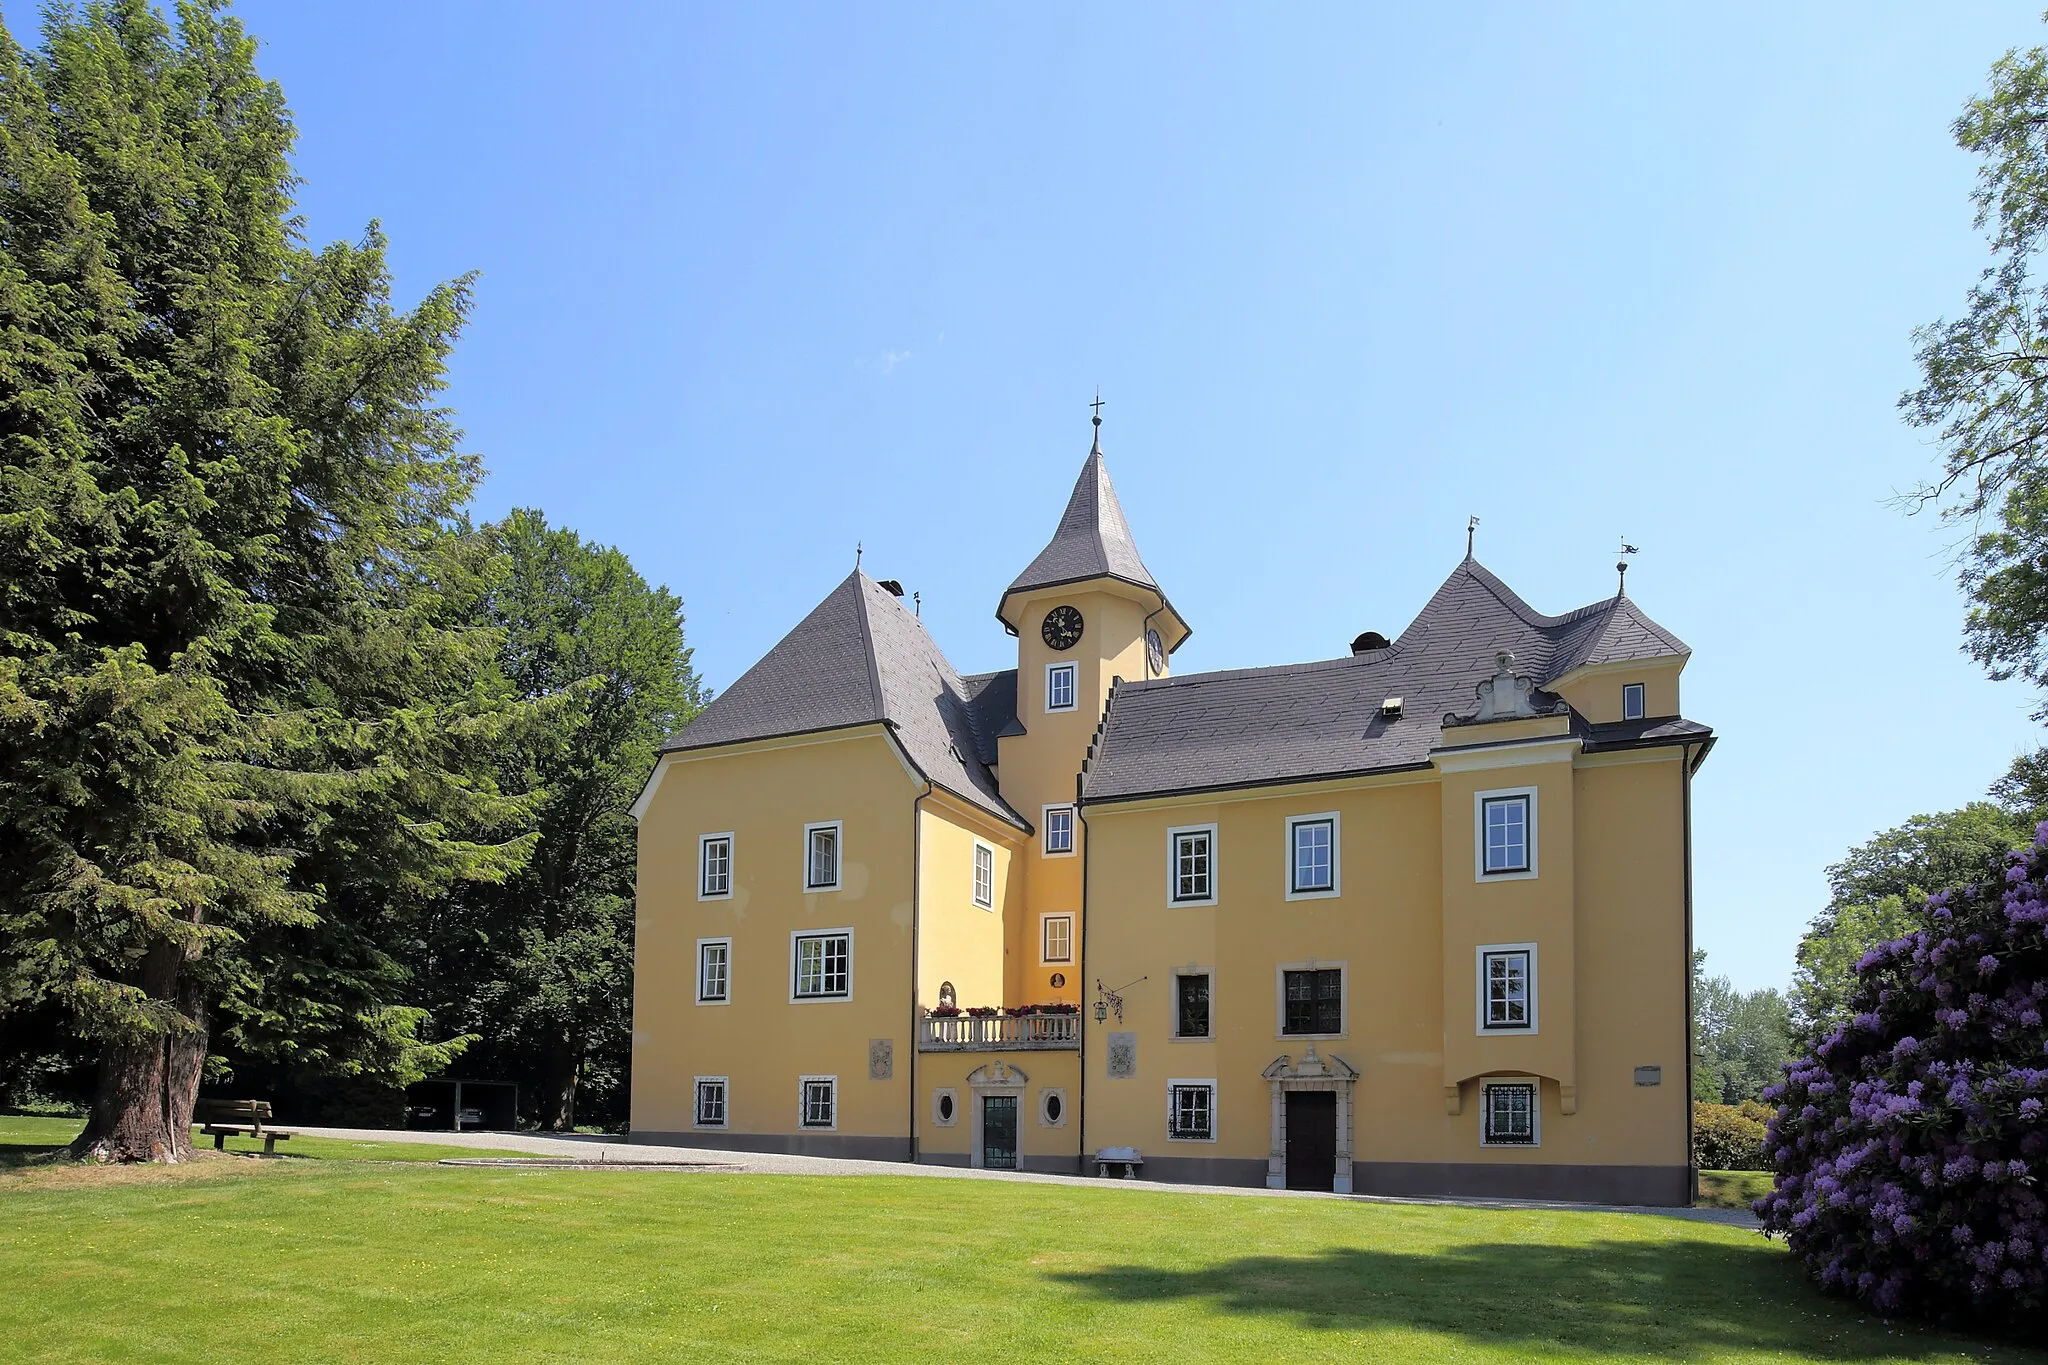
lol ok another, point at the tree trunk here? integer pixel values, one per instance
(142, 1110)
(559, 1074)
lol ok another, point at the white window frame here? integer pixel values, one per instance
(1046, 1097)
(704, 843)
(1336, 887)
(1531, 829)
(796, 937)
(1073, 672)
(1045, 922)
(1045, 815)
(1173, 1003)
(1534, 990)
(1535, 1110)
(1280, 972)
(838, 828)
(1639, 694)
(1173, 838)
(939, 1118)
(984, 886)
(803, 1104)
(702, 944)
(724, 1085)
(1173, 1087)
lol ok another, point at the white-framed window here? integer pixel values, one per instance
(1052, 1108)
(1192, 1013)
(823, 844)
(821, 965)
(714, 971)
(1311, 996)
(1313, 856)
(1056, 938)
(1507, 988)
(1058, 824)
(1062, 687)
(1632, 702)
(711, 1101)
(1191, 865)
(818, 1102)
(945, 1108)
(1504, 834)
(1510, 1112)
(1191, 1111)
(714, 867)
(984, 875)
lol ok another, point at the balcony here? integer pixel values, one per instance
(1000, 1033)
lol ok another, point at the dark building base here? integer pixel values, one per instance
(1661, 1186)
(845, 1146)
(1201, 1170)
(1041, 1165)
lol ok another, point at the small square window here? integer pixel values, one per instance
(1060, 687)
(1507, 990)
(1191, 1111)
(1508, 1113)
(1191, 1005)
(1312, 855)
(714, 971)
(711, 1101)
(984, 876)
(1632, 701)
(1507, 834)
(1192, 869)
(821, 856)
(1059, 938)
(820, 1101)
(824, 966)
(714, 866)
(1312, 1001)
(1059, 829)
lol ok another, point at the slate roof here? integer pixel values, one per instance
(860, 658)
(1092, 541)
(1253, 726)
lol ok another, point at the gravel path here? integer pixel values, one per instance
(615, 1149)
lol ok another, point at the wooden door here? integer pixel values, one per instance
(1311, 1139)
(999, 1132)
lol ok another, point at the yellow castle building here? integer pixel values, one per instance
(1415, 920)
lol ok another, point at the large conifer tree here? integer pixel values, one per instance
(245, 723)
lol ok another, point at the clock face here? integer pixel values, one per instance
(1155, 651)
(1062, 629)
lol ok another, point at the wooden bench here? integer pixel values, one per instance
(222, 1119)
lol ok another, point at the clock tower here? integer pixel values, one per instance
(1086, 612)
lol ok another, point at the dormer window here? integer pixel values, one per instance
(1060, 687)
(1632, 701)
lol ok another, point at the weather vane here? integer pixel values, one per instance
(1471, 526)
(1621, 565)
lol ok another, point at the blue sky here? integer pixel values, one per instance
(759, 282)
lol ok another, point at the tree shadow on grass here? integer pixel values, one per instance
(1677, 1301)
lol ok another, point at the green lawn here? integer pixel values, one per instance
(26, 1140)
(1733, 1189)
(361, 1262)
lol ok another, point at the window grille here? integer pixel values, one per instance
(1192, 1111)
(1314, 1002)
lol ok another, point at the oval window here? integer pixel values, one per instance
(945, 1109)
(1052, 1108)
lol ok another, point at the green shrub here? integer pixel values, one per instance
(1730, 1137)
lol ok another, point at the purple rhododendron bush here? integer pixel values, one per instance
(1911, 1146)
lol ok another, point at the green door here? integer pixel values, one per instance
(999, 1132)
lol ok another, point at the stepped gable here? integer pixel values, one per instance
(1255, 726)
(859, 658)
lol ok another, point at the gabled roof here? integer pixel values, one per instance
(859, 658)
(1092, 540)
(1251, 726)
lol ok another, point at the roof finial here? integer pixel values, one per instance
(1621, 567)
(856, 556)
(1096, 449)
(1471, 525)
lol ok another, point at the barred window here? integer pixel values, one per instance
(1194, 870)
(1191, 1110)
(820, 1101)
(1509, 1112)
(984, 876)
(1314, 1001)
(1505, 977)
(824, 966)
(715, 858)
(711, 1101)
